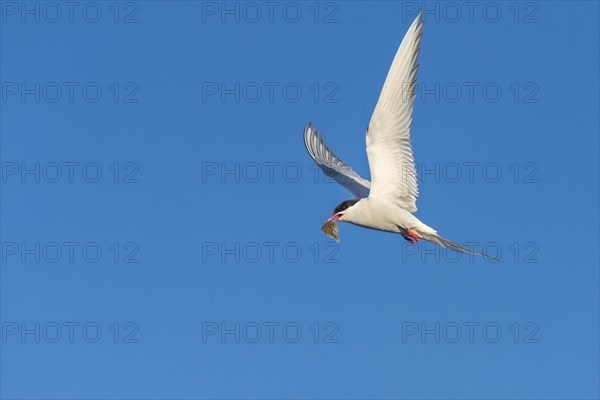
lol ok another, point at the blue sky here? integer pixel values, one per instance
(160, 216)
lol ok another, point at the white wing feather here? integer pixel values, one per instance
(393, 173)
(332, 166)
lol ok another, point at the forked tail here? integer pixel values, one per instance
(440, 241)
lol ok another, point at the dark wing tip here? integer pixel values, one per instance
(307, 140)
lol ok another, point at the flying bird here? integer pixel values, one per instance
(388, 202)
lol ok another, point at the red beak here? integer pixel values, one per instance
(334, 218)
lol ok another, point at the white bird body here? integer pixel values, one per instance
(374, 213)
(388, 202)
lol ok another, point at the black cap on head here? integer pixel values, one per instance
(345, 204)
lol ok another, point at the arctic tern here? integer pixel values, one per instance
(388, 202)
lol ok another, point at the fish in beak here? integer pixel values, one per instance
(330, 227)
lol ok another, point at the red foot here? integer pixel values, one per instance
(410, 238)
(412, 234)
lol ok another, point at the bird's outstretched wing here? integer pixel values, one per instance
(332, 166)
(393, 172)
